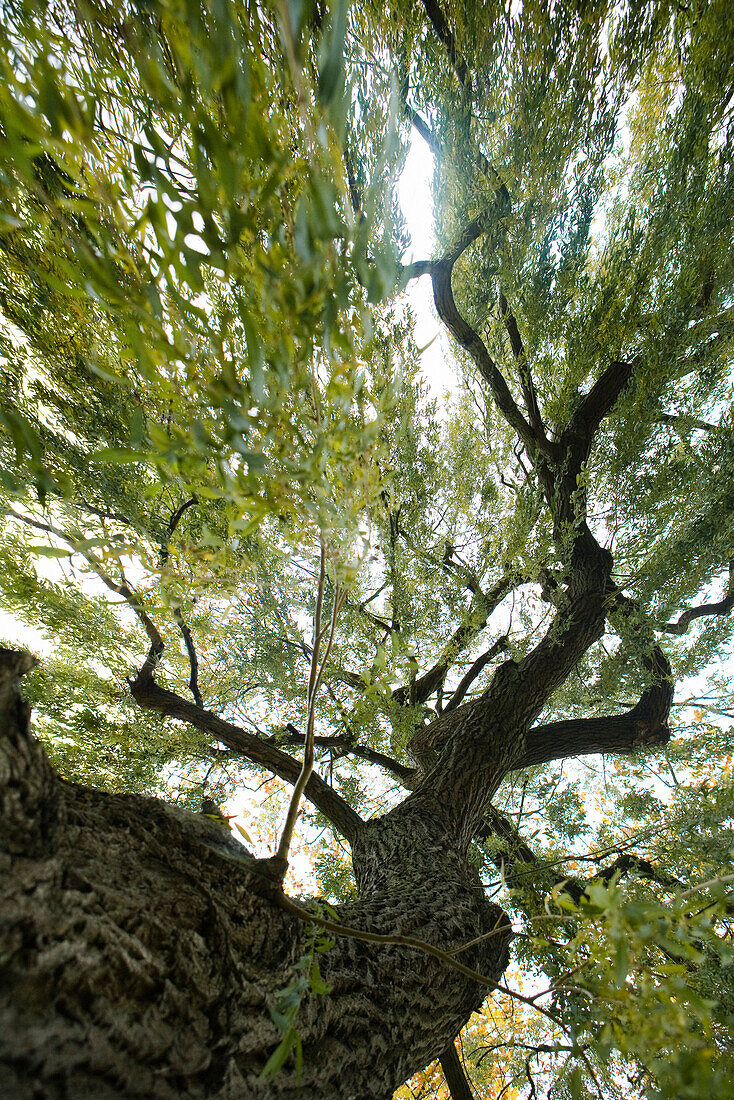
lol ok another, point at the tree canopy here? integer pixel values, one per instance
(240, 520)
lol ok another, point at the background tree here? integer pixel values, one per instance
(245, 525)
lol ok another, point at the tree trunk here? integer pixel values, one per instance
(142, 949)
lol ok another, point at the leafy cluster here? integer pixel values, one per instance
(208, 376)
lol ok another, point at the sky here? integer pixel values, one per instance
(414, 192)
(437, 365)
(414, 189)
(439, 370)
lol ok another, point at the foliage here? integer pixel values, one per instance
(307, 981)
(207, 370)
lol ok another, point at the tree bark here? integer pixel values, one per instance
(142, 948)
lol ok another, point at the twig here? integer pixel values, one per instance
(123, 590)
(419, 945)
(705, 885)
(318, 665)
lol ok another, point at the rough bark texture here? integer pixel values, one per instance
(141, 950)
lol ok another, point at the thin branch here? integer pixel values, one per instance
(441, 152)
(193, 659)
(475, 621)
(421, 688)
(132, 598)
(538, 1048)
(383, 624)
(720, 880)
(474, 670)
(123, 590)
(172, 525)
(313, 682)
(418, 945)
(526, 378)
(117, 517)
(374, 596)
(685, 422)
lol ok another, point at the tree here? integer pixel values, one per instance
(261, 533)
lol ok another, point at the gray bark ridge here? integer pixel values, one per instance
(142, 948)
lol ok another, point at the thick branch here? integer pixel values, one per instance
(565, 494)
(445, 35)
(526, 379)
(577, 625)
(177, 615)
(518, 691)
(423, 129)
(440, 151)
(627, 862)
(453, 1071)
(355, 195)
(345, 747)
(558, 463)
(416, 270)
(26, 779)
(462, 331)
(517, 851)
(476, 619)
(148, 694)
(466, 753)
(532, 435)
(594, 406)
(470, 233)
(644, 726)
(723, 607)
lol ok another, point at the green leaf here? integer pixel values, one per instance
(277, 1059)
(49, 551)
(331, 60)
(318, 985)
